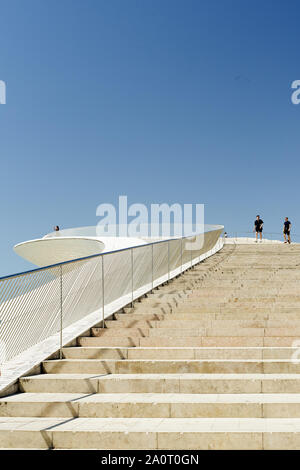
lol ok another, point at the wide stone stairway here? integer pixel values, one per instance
(208, 361)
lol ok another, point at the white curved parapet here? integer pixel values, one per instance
(75, 243)
(45, 308)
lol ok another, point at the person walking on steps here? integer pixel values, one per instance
(258, 228)
(287, 230)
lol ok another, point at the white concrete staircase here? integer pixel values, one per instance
(205, 362)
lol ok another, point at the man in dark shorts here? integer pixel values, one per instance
(258, 227)
(287, 230)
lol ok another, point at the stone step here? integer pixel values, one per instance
(232, 287)
(161, 300)
(151, 405)
(239, 291)
(236, 298)
(200, 341)
(186, 324)
(80, 366)
(169, 289)
(184, 329)
(161, 383)
(150, 433)
(209, 297)
(164, 366)
(141, 316)
(164, 294)
(42, 405)
(234, 303)
(200, 323)
(183, 279)
(118, 341)
(178, 353)
(165, 308)
(200, 383)
(239, 314)
(123, 332)
(220, 308)
(209, 316)
(213, 289)
(249, 283)
(60, 383)
(95, 352)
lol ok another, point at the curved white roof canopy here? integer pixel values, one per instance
(74, 243)
(57, 249)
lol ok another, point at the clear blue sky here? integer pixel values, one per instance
(162, 100)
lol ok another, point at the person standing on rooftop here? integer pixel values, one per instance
(258, 228)
(56, 231)
(287, 230)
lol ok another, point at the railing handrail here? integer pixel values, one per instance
(50, 266)
(233, 232)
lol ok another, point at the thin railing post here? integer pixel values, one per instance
(152, 268)
(191, 257)
(181, 256)
(102, 269)
(131, 277)
(61, 315)
(168, 261)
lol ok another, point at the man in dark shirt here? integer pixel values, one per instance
(287, 230)
(258, 227)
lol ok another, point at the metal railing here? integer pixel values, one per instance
(272, 236)
(40, 303)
